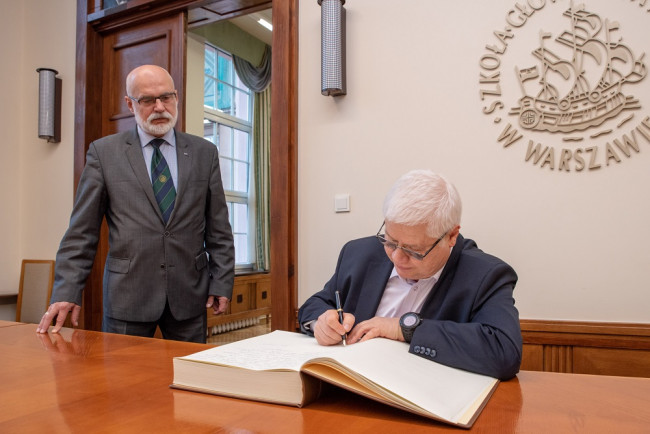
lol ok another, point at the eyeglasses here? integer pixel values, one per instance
(412, 253)
(148, 101)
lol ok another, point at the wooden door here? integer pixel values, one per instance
(160, 42)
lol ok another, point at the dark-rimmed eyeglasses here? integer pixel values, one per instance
(148, 101)
(412, 253)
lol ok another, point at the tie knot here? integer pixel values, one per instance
(157, 142)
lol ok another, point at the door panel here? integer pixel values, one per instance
(149, 43)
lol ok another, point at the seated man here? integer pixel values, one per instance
(421, 282)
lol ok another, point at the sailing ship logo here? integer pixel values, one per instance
(584, 89)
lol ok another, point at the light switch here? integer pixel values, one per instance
(342, 203)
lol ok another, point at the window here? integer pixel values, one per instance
(227, 124)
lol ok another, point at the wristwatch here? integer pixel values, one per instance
(409, 322)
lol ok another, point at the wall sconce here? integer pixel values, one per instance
(332, 47)
(49, 105)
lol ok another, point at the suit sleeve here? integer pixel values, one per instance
(218, 237)
(489, 342)
(76, 254)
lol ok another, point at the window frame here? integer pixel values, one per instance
(218, 117)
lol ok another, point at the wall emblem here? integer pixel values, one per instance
(578, 108)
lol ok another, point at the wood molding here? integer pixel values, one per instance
(284, 142)
(586, 347)
(589, 334)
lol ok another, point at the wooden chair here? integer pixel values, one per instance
(36, 280)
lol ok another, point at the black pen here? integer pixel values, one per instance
(340, 311)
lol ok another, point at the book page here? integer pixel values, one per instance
(439, 389)
(278, 350)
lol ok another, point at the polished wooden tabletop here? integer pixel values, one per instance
(83, 381)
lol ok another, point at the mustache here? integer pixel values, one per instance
(163, 115)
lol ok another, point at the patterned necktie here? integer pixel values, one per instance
(161, 178)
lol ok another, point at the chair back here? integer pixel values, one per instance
(36, 280)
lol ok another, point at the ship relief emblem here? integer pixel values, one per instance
(573, 99)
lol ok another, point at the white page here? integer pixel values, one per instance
(272, 351)
(440, 389)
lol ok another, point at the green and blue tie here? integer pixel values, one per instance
(161, 178)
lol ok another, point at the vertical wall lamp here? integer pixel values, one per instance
(332, 47)
(49, 105)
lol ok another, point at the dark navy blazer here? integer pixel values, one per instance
(469, 320)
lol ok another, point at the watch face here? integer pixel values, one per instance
(409, 320)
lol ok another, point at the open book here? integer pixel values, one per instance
(286, 368)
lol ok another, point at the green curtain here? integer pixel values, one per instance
(261, 158)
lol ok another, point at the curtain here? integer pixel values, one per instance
(258, 79)
(261, 158)
(255, 78)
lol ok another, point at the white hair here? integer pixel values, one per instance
(424, 197)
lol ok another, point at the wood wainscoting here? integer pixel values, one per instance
(586, 347)
(251, 299)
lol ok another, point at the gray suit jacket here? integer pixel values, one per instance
(148, 262)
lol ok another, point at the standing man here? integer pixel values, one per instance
(421, 282)
(171, 251)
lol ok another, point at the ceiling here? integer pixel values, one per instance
(249, 24)
(221, 10)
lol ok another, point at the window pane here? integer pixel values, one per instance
(240, 178)
(241, 248)
(210, 60)
(209, 131)
(240, 218)
(241, 109)
(224, 98)
(240, 84)
(225, 141)
(225, 68)
(241, 145)
(209, 92)
(226, 173)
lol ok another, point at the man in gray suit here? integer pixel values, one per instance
(166, 263)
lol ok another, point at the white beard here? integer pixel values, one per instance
(155, 129)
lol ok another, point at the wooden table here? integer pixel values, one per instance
(91, 382)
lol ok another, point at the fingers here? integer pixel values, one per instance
(59, 311)
(76, 311)
(60, 319)
(325, 335)
(348, 321)
(223, 305)
(219, 306)
(375, 327)
(328, 330)
(46, 320)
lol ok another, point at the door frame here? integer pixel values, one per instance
(92, 27)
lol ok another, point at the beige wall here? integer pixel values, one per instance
(36, 176)
(578, 240)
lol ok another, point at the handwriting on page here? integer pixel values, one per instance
(278, 351)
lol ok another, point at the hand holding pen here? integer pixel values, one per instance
(339, 309)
